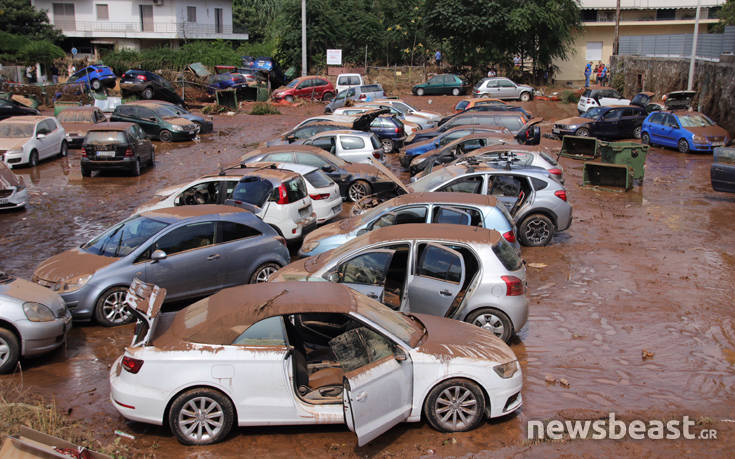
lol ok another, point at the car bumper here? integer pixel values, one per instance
(79, 303)
(15, 200)
(506, 399)
(559, 132)
(15, 158)
(134, 401)
(297, 230)
(564, 220)
(125, 163)
(41, 337)
(184, 135)
(708, 148)
(74, 141)
(326, 209)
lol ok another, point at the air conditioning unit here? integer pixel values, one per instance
(158, 2)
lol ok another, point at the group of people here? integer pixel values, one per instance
(599, 72)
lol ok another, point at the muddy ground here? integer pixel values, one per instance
(648, 270)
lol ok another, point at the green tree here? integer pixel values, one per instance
(42, 51)
(18, 17)
(255, 16)
(726, 16)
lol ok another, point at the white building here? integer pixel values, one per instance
(136, 24)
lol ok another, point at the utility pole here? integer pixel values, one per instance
(693, 60)
(616, 43)
(303, 37)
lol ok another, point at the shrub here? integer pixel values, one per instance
(209, 53)
(570, 97)
(264, 108)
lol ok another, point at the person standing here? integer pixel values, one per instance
(492, 73)
(438, 58)
(603, 75)
(587, 73)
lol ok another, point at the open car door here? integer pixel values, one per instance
(437, 280)
(144, 301)
(367, 272)
(722, 171)
(530, 133)
(378, 382)
(390, 175)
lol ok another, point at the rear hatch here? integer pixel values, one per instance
(679, 100)
(106, 146)
(293, 199)
(144, 301)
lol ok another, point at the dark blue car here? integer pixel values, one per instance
(226, 81)
(684, 130)
(419, 148)
(390, 130)
(94, 76)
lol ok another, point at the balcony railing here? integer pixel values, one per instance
(179, 29)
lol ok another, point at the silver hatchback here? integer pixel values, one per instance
(461, 272)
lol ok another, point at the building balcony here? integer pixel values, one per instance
(154, 30)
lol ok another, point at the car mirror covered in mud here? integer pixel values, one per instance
(158, 255)
(332, 276)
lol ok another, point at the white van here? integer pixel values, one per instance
(348, 80)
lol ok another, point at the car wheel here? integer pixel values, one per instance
(165, 135)
(153, 158)
(148, 93)
(387, 145)
(455, 91)
(494, 321)
(110, 309)
(455, 405)
(645, 138)
(33, 160)
(64, 149)
(86, 172)
(582, 132)
(201, 416)
(136, 168)
(420, 92)
(637, 133)
(525, 97)
(683, 146)
(289, 99)
(9, 351)
(536, 230)
(358, 190)
(96, 85)
(263, 273)
(327, 96)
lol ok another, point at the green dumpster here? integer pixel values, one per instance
(61, 105)
(630, 154)
(608, 175)
(227, 98)
(576, 147)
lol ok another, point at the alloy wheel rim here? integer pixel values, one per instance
(113, 307)
(64, 149)
(490, 322)
(456, 408)
(201, 418)
(387, 145)
(637, 133)
(357, 191)
(537, 231)
(4, 351)
(265, 274)
(683, 146)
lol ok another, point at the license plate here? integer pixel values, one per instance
(555, 130)
(718, 144)
(106, 154)
(4, 201)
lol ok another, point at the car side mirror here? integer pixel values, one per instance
(399, 354)
(158, 255)
(328, 168)
(40, 135)
(333, 277)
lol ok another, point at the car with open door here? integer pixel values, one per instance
(352, 146)
(302, 353)
(455, 149)
(316, 124)
(462, 272)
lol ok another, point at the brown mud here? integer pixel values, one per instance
(632, 306)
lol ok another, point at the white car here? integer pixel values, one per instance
(409, 126)
(26, 140)
(347, 81)
(13, 192)
(307, 353)
(352, 146)
(323, 191)
(600, 97)
(407, 109)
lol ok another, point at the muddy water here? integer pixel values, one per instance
(649, 270)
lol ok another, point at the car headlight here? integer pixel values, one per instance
(13, 152)
(177, 128)
(699, 139)
(309, 246)
(37, 312)
(75, 283)
(506, 370)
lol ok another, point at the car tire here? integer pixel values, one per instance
(492, 320)
(327, 96)
(86, 172)
(645, 138)
(388, 145)
(637, 133)
(525, 97)
(165, 135)
(148, 93)
(455, 91)
(420, 92)
(9, 351)
(153, 158)
(33, 159)
(96, 85)
(536, 230)
(582, 132)
(109, 310)
(288, 99)
(467, 415)
(264, 272)
(683, 146)
(358, 190)
(135, 171)
(188, 406)
(64, 149)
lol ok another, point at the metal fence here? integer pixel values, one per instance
(709, 45)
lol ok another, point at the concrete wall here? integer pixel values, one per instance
(714, 83)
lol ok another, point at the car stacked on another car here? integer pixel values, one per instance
(417, 148)
(347, 81)
(76, 121)
(611, 121)
(316, 124)
(442, 84)
(13, 192)
(352, 146)
(599, 97)
(227, 80)
(157, 121)
(408, 109)
(470, 102)
(95, 77)
(191, 252)
(306, 87)
(362, 93)
(148, 85)
(26, 140)
(526, 131)
(502, 88)
(115, 146)
(454, 150)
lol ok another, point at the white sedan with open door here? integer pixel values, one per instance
(306, 353)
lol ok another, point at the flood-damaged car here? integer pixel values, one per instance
(299, 353)
(316, 124)
(456, 149)
(33, 320)
(406, 155)
(191, 251)
(454, 208)
(13, 191)
(77, 121)
(722, 170)
(526, 131)
(461, 272)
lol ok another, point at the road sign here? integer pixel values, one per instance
(334, 57)
(74, 51)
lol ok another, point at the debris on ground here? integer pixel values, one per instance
(537, 265)
(645, 355)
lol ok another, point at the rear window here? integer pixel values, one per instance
(318, 179)
(253, 190)
(105, 138)
(507, 255)
(352, 143)
(461, 105)
(295, 189)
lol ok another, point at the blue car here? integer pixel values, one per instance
(225, 81)
(390, 130)
(684, 130)
(94, 76)
(419, 148)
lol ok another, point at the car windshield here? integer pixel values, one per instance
(400, 325)
(125, 237)
(76, 116)
(16, 130)
(292, 84)
(695, 120)
(431, 181)
(593, 112)
(105, 138)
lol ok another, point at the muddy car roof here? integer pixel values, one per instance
(494, 148)
(222, 317)
(114, 126)
(342, 131)
(268, 170)
(83, 108)
(445, 197)
(288, 148)
(25, 119)
(430, 231)
(184, 212)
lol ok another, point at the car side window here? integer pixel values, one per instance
(439, 263)
(231, 231)
(612, 115)
(472, 184)
(656, 118)
(188, 237)
(309, 160)
(671, 122)
(505, 84)
(457, 216)
(143, 113)
(628, 112)
(366, 269)
(325, 142)
(124, 111)
(505, 185)
(201, 193)
(359, 347)
(42, 128)
(267, 332)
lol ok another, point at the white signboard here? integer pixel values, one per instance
(334, 57)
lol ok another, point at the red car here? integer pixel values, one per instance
(306, 87)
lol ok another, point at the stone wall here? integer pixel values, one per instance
(714, 82)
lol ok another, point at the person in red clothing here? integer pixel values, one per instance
(600, 66)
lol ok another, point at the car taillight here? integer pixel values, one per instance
(589, 101)
(362, 97)
(398, 130)
(510, 236)
(282, 194)
(318, 197)
(376, 155)
(141, 78)
(555, 171)
(513, 286)
(132, 365)
(128, 151)
(84, 152)
(561, 194)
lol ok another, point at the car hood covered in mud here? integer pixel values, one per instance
(70, 265)
(573, 121)
(23, 290)
(12, 144)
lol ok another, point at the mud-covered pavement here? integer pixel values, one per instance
(649, 270)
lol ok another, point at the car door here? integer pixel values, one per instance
(608, 125)
(437, 279)
(238, 246)
(722, 171)
(145, 146)
(43, 139)
(304, 88)
(506, 188)
(205, 192)
(670, 131)
(193, 263)
(434, 85)
(147, 120)
(366, 272)
(654, 125)
(469, 184)
(492, 89)
(506, 89)
(378, 387)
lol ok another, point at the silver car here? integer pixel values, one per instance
(454, 208)
(352, 146)
(535, 198)
(191, 251)
(461, 272)
(33, 320)
(502, 88)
